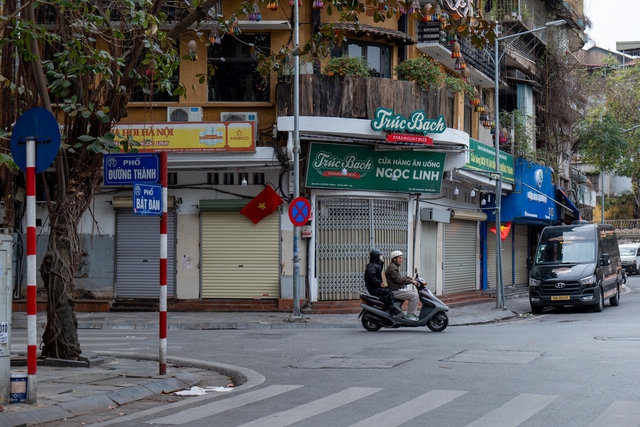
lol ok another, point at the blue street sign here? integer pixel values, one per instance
(125, 169)
(147, 199)
(37, 123)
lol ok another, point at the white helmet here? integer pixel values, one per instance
(395, 254)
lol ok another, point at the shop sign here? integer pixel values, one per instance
(194, 136)
(412, 139)
(386, 120)
(483, 157)
(348, 167)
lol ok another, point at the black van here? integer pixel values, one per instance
(576, 265)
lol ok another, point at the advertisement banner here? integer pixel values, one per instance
(483, 157)
(190, 136)
(349, 167)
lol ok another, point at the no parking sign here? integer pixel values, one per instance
(299, 211)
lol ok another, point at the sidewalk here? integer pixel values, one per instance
(116, 378)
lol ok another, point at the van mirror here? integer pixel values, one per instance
(529, 263)
(604, 260)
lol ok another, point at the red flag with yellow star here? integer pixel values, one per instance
(504, 230)
(263, 205)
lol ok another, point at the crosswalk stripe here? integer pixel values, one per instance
(411, 409)
(223, 405)
(619, 414)
(515, 411)
(311, 409)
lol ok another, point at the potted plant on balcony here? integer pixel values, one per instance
(351, 66)
(422, 70)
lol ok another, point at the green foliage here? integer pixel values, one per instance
(522, 133)
(458, 85)
(352, 66)
(422, 70)
(600, 140)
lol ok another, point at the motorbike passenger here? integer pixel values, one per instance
(397, 283)
(374, 284)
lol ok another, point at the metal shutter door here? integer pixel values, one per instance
(240, 259)
(507, 258)
(138, 255)
(460, 256)
(346, 230)
(521, 246)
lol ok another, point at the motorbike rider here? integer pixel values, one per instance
(375, 286)
(397, 283)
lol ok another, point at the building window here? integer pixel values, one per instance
(234, 77)
(467, 117)
(378, 56)
(450, 109)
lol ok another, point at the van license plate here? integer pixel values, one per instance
(560, 298)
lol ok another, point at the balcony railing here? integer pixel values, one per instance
(480, 60)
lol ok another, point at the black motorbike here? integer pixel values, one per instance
(374, 314)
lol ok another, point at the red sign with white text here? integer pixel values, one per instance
(414, 139)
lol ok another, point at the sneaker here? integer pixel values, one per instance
(411, 316)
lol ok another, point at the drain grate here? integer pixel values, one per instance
(337, 362)
(497, 357)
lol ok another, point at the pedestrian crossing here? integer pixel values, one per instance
(517, 411)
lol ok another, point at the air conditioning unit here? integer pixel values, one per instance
(229, 116)
(184, 114)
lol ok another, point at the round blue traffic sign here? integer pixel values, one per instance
(37, 123)
(299, 211)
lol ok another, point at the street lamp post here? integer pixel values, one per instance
(500, 299)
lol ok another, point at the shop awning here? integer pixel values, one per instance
(390, 36)
(571, 212)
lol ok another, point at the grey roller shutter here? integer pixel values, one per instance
(521, 252)
(460, 256)
(138, 255)
(240, 259)
(507, 258)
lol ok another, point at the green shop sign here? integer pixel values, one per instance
(349, 167)
(483, 157)
(386, 120)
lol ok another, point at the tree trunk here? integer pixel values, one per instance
(64, 254)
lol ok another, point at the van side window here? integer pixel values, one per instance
(638, 254)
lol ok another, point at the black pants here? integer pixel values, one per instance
(386, 296)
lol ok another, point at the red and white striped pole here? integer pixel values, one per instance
(163, 265)
(32, 308)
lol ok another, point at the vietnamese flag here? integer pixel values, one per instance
(263, 205)
(504, 230)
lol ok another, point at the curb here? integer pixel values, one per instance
(247, 378)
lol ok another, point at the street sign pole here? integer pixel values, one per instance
(32, 307)
(163, 265)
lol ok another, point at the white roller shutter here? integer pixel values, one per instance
(240, 259)
(460, 256)
(521, 251)
(507, 258)
(138, 255)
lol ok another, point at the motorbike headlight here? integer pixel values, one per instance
(533, 283)
(589, 280)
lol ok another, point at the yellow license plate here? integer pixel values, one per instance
(561, 298)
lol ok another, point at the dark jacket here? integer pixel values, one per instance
(373, 275)
(395, 280)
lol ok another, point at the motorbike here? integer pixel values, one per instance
(433, 313)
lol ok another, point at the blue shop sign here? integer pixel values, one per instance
(533, 200)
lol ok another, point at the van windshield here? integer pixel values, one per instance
(566, 246)
(627, 251)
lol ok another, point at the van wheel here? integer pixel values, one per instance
(600, 305)
(614, 301)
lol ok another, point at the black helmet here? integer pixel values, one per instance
(374, 254)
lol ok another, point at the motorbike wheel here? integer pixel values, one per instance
(371, 323)
(439, 322)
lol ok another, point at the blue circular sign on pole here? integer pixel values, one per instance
(39, 124)
(299, 211)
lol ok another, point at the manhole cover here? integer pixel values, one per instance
(498, 357)
(336, 362)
